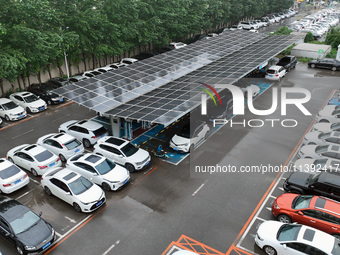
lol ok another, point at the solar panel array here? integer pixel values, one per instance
(165, 87)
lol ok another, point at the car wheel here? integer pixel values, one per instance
(284, 218)
(269, 250)
(130, 167)
(324, 121)
(62, 158)
(19, 249)
(48, 191)
(62, 131)
(34, 172)
(7, 118)
(10, 160)
(76, 207)
(28, 110)
(86, 143)
(106, 186)
(312, 65)
(333, 68)
(311, 143)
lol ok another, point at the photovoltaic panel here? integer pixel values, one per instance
(165, 87)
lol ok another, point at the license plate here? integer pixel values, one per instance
(41, 108)
(52, 164)
(77, 150)
(17, 181)
(61, 100)
(46, 245)
(21, 116)
(102, 135)
(147, 163)
(125, 182)
(270, 75)
(99, 203)
(175, 149)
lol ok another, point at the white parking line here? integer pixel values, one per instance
(261, 219)
(111, 247)
(32, 180)
(76, 226)
(22, 195)
(60, 118)
(70, 219)
(199, 188)
(29, 131)
(57, 234)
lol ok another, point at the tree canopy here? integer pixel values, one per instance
(34, 34)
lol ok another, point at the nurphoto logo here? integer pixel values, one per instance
(239, 105)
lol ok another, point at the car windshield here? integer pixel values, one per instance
(100, 131)
(324, 135)
(314, 179)
(26, 221)
(105, 166)
(9, 106)
(9, 172)
(288, 232)
(301, 202)
(42, 156)
(80, 185)
(335, 126)
(320, 163)
(320, 149)
(285, 60)
(72, 144)
(129, 149)
(336, 247)
(31, 98)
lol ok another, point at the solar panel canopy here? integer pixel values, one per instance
(165, 87)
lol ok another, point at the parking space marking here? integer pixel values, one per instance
(60, 118)
(37, 182)
(199, 188)
(22, 195)
(111, 247)
(70, 219)
(57, 234)
(29, 131)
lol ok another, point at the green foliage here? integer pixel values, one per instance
(309, 37)
(35, 34)
(333, 38)
(283, 31)
(332, 54)
(304, 59)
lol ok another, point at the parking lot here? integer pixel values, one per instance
(163, 204)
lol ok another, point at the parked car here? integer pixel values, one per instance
(128, 61)
(327, 63)
(326, 127)
(58, 82)
(24, 229)
(116, 65)
(12, 177)
(317, 165)
(63, 145)
(277, 238)
(314, 211)
(44, 91)
(320, 152)
(34, 158)
(78, 78)
(29, 101)
(322, 184)
(190, 136)
(177, 45)
(275, 73)
(123, 152)
(288, 62)
(104, 69)
(100, 170)
(11, 111)
(247, 25)
(319, 138)
(87, 131)
(330, 114)
(91, 74)
(74, 189)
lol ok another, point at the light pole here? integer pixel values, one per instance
(65, 55)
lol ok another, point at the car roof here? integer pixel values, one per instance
(89, 158)
(23, 94)
(62, 137)
(88, 124)
(4, 163)
(116, 141)
(64, 174)
(4, 100)
(275, 67)
(326, 204)
(11, 209)
(33, 149)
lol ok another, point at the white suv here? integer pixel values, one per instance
(87, 131)
(10, 111)
(99, 170)
(123, 152)
(247, 25)
(63, 145)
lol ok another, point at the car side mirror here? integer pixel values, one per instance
(300, 213)
(284, 246)
(68, 193)
(40, 214)
(94, 174)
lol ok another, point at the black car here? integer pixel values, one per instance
(44, 91)
(58, 82)
(322, 184)
(327, 63)
(24, 229)
(288, 62)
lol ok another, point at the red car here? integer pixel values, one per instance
(314, 211)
